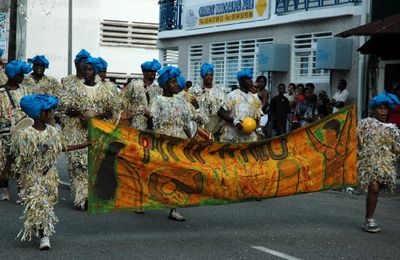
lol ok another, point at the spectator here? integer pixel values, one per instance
(263, 94)
(292, 101)
(314, 97)
(394, 94)
(306, 111)
(323, 106)
(279, 110)
(339, 99)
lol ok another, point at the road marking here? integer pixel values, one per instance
(275, 253)
(65, 183)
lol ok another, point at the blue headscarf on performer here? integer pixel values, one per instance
(103, 64)
(1, 52)
(151, 66)
(95, 63)
(40, 60)
(245, 73)
(16, 67)
(393, 97)
(205, 69)
(32, 105)
(381, 100)
(181, 81)
(166, 74)
(83, 54)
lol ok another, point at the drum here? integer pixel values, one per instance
(214, 124)
(200, 134)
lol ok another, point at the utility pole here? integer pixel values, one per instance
(69, 37)
(12, 42)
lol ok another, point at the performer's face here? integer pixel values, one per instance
(45, 116)
(102, 75)
(149, 75)
(173, 86)
(88, 72)
(208, 78)
(38, 69)
(245, 83)
(381, 112)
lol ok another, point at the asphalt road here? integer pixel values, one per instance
(324, 225)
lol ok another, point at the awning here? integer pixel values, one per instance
(386, 47)
(384, 27)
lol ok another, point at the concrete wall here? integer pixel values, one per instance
(48, 35)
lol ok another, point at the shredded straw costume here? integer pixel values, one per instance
(378, 146)
(209, 99)
(46, 85)
(240, 105)
(36, 158)
(80, 97)
(137, 98)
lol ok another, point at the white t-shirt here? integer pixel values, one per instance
(340, 96)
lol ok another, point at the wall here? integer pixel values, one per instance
(48, 35)
(280, 34)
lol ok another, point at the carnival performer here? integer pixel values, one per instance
(80, 58)
(3, 76)
(42, 84)
(378, 148)
(239, 104)
(10, 113)
(36, 149)
(82, 101)
(171, 114)
(136, 99)
(210, 98)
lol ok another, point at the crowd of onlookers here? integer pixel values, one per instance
(298, 105)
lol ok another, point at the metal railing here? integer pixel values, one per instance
(170, 15)
(287, 6)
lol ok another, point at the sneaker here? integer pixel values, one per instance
(44, 243)
(370, 226)
(4, 194)
(174, 215)
(19, 199)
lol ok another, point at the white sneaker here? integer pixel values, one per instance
(174, 215)
(4, 194)
(44, 243)
(370, 226)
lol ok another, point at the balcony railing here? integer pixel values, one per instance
(286, 6)
(170, 15)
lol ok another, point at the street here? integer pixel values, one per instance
(323, 225)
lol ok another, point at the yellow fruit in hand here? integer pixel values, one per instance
(249, 125)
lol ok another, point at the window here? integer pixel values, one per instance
(169, 57)
(195, 62)
(230, 57)
(304, 58)
(129, 34)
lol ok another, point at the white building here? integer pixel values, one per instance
(123, 32)
(228, 33)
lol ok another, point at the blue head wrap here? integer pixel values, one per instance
(83, 54)
(166, 74)
(40, 60)
(32, 105)
(16, 67)
(151, 65)
(245, 73)
(103, 63)
(181, 81)
(206, 69)
(95, 63)
(380, 100)
(1, 52)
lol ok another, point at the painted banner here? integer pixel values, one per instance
(130, 169)
(4, 34)
(203, 14)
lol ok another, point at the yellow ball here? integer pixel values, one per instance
(249, 125)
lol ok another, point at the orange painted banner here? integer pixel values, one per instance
(130, 169)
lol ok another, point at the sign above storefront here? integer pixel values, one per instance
(225, 12)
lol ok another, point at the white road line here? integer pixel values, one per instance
(275, 253)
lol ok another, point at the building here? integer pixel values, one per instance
(228, 33)
(123, 32)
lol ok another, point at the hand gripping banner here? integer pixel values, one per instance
(130, 169)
